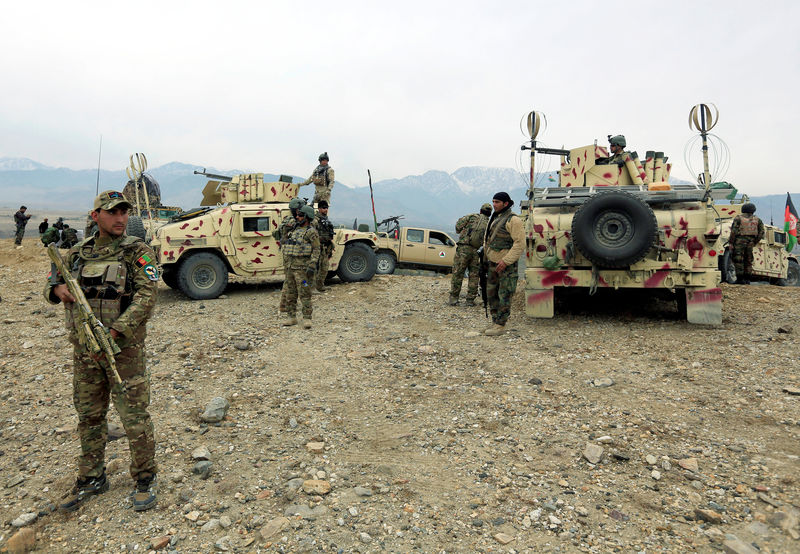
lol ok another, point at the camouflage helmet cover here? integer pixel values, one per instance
(486, 208)
(324, 156)
(749, 208)
(617, 140)
(307, 211)
(296, 203)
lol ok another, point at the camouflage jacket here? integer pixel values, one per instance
(21, 219)
(140, 288)
(301, 248)
(471, 228)
(324, 228)
(287, 226)
(322, 176)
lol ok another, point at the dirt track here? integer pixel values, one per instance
(435, 438)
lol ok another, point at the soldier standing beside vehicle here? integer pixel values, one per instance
(21, 220)
(503, 245)
(118, 276)
(301, 250)
(324, 227)
(747, 230)
(471, 229)
(322, 178)
(282, 232)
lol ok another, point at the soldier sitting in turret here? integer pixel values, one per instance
(616, 146)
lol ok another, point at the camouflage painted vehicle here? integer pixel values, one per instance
(609, 226)
(413, 247)
(771, 261)
(232, 233)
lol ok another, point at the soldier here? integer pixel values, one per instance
(69, 237)
(119, 278)
(301, 249)
(21, 220)
(324, 227)
(471, 229)
(282, 232)
(323, 178)
(503, 245)
(747, 230)
(50, 235)
(43, 227)
(616, 146)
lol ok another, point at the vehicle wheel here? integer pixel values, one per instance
(357, 264)
(202, 276)
(727, 268)
(135, 227)
(385, 263)
(170, 278)
(614, 229)
(792, 275)
(680, 302)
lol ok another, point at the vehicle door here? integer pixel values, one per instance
(413, 246)
(773, 260)
(440, 249)
(256, 249)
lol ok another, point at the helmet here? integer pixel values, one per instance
(486, 208)
(324, 156)
(296, 203)
(749, 208)
(307, 211)
(617, 140)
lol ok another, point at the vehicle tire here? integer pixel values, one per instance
(385, 263)
(202, 276)
(727, 268)
(170, 278)
(135, 227)
(614, 229)
(792, 275)
(357, 264)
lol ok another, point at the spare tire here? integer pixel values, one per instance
(614, 229)
(136, 227)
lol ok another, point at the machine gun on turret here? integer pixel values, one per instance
(224, 178)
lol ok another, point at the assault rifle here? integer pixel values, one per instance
(483, 277)
(92, 334)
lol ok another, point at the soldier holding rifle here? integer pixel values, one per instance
(108, 286)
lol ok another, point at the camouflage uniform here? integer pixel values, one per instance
(69, 237)
(324, 228)
(120, 281)
(505, 240)
(471, 229)
(323, 178)
(288, 225)
(50, 235)
(21, 220)
(301, 250)
(747, 231)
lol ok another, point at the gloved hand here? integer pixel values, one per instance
(310, 273)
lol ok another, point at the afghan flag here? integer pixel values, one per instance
(790, 216)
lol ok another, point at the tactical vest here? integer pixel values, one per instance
(324, 228)
(320, 175)
(748, 225)
(104, 280)
(296, 244)
(288, 225)
(499, 238)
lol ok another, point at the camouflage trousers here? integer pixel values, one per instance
(466, 259)
(323, 264)
(285, 286)
(19, 234)
(742, 254)
(500, 287)
(321, 192)
(297, 285)
(91, 391)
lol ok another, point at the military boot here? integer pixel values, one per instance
(470, 301)
(306, 323)
(289, 322)
(453, 301)
(495, 330)
(83, 489)
(322, 288)
(144, 494)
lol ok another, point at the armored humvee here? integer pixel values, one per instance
(232, 233)
(620, 226)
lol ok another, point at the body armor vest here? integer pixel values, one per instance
(748, 226)
(499, 237)
(296, 244)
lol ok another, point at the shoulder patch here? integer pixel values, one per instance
(151, 271)
(143, 260)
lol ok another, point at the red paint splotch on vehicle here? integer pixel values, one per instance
(184, 226)
(274, 192)
(256, 260)
(683, 224)
(607, 175)
(538, 228)
(256, 243)
(705, 296)
(180, 250)
(187, 243)
(558, 277)
(259, 233)
(564, 253)
(541, 248)
(695, 248)
(549, 224)
(539, 297)
(667, 230)
(657, 278)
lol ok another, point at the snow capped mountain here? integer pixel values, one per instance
(20, 164)
(475, 181)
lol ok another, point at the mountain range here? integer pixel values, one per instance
(434, 199)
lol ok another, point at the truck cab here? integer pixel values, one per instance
(414, 247)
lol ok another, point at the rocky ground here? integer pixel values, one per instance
(393, 425)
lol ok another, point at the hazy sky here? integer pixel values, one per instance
(400, 87)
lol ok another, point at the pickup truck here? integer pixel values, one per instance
(414, 247)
